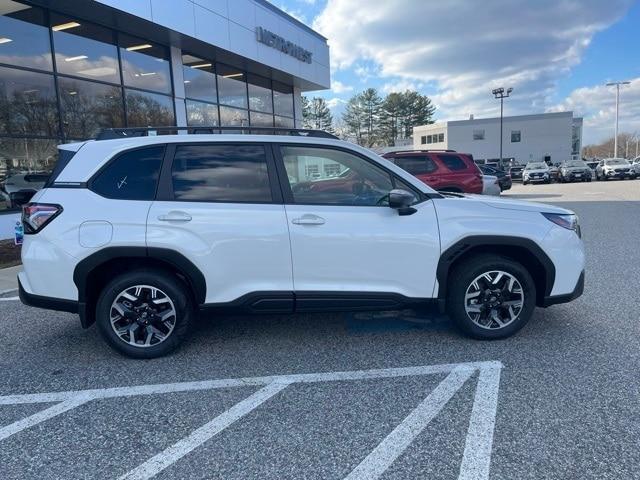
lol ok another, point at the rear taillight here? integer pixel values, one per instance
(36, 216)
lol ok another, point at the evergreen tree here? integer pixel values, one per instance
(362, 117)
(403, 111)
(316, 114)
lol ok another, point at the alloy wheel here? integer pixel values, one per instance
(142, 316)
(494, 300)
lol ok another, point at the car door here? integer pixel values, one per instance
(219, 205)
(347, 244)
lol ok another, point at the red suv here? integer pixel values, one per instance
(441, 169)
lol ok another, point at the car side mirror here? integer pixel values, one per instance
(401, 201)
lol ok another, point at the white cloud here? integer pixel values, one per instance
(335, 103)
(597, 104)
(401, 86)
(339, 87)
(465, 48)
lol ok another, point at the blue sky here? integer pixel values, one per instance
(556, 54)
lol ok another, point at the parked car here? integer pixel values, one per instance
(575, 170)
(635, 165)
(614, 168)
(536, 172)
(554, 173)
(592, 164)
(516, 172)
(441, 170)
(490, 185)
(19, 188)
(504, 179)
(141, 233)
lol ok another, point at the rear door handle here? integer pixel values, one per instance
(175, 217)
(308, 219)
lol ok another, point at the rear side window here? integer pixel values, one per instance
(221, 173)
(132, 175)
(453, 162)
(417, 165)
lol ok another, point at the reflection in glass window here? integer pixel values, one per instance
(260, 96)
(283, 99)
(232, 86)
(233, 116)
(87, 107)
(284, 122)
(27, 103)
(261, 119)
(148, 109)
(360, 182)
(199, 79)
(221, 173)
(84, 50)
(201, 114)
(24, 165)
(131, 176)
(24, 38)
(145, 65)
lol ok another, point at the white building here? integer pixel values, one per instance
(553, 137)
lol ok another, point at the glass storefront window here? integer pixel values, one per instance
(25, 164)
(24, 38)
(199, 79)
(233, 117)
(232, 86)
(145, 65)
(260, 95)
(283, 99)
(284, 122)
(261, 119)
(87, 107)
(201, 114)
(84, 50)
(27, 103)
(149, 109)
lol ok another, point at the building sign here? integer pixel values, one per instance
(276, 41)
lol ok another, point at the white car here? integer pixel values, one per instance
(536, 172)
(490, 185)
(141, 233)
(614, 168)
(635, 165)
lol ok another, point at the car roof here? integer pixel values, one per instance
(93, 154)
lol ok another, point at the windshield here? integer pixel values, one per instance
(616, 161)
(536, 166)
(575, 163)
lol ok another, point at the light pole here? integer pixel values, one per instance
(501, 94)
(617, 85)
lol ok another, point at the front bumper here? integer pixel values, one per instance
(629, 174)
(568, 297)
(536, 179)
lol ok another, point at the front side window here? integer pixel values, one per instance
(131, 176)
(515, 136)
(417, 165)
(453, 162)
(221, 173)
(360, 182)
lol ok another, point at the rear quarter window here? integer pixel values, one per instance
(416, 165)
(132, 175)
(453, 162)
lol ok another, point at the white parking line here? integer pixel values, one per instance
(171, 455)
(9, 299)
(478, 445)
(381, 458)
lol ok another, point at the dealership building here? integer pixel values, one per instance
(551, 137)
(69, 68)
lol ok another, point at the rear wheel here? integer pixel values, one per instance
(490, 296)
(144, 313)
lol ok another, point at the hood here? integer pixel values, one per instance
(508, 204)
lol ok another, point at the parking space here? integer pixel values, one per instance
(263, 397)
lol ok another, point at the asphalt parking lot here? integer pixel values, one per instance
(366, 395)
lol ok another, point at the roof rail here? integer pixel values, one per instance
(424, 151)
(111, 133)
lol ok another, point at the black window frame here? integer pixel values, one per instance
(165, 184)
(91, 182)
(287, 193)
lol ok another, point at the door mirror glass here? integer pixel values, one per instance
(402, 200)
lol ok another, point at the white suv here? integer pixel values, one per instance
(139, 234)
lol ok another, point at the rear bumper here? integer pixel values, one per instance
(556, 299)
(48, 303)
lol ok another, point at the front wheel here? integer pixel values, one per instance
(144, 313)
(490, 296)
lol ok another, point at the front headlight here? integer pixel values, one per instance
(568, 221)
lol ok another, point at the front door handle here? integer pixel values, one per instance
(308, 219)
(175, 217)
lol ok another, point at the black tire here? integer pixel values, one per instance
(525, 183)
(168, 284)
(461, 278)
